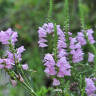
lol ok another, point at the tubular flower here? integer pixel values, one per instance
(90, 87)
(76, 51)
(56, 82)
(90, 36)
(80, 38)
(90, 57)
(8, 35)
(50, 64)
(64, 67)
(43, 31)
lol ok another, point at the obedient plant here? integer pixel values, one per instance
(69, 63)
(66, 61)
(61, 66)
(11, 61)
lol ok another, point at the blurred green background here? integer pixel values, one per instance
(25, 16)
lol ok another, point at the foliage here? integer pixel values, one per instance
(25, 16)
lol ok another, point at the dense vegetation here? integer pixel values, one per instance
(25, 17)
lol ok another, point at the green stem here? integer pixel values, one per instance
(55, 51)
(66, 17)
(31, 90)
(50, 10)
(25, 78)
(55, 41)
(18, 67)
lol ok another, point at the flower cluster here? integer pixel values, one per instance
(64, 67)
(90, 57)
(43, 31)
(76, 51)
(50, 64)
(8, 35)
(11, 59)
(90, 87)
(62, 64)
(61, 67)
(90, 37)
(81, 38)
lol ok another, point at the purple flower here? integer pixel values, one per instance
(50, 64)
(1, 66)
(42, 32)
(61, 44)
(56, 82)
(50, 70)
(77, 55)
(14, 37)
(43, 45)
(64, 67)
(20, 50)
(49, 60)
(76, 51)
(69, 33)
(25, 66)
(90, 87)
(1, 60)
(7, 35)
(90, 57)
(49, 29)
(81, 39)
(42, 42)
(10, 60)
(8, 63)
(8, 66)
(4, 37)
(11, 57)
(62, 53)
(14, 82)
(74, 44)
(62, 63)
(90, 37)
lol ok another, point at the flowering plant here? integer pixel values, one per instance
(11, 61)
(68, 61)
(68, 55)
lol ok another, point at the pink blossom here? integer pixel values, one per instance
(90, 87)
(25, 66)
(14, 82)
(64, 67)
(18, 55)
(81, 39)
(90, 57)
(90, 36)
(7, 35)
(20, 50)
(56, 82)
(50, 64)
(50, 70)
(1, 66)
